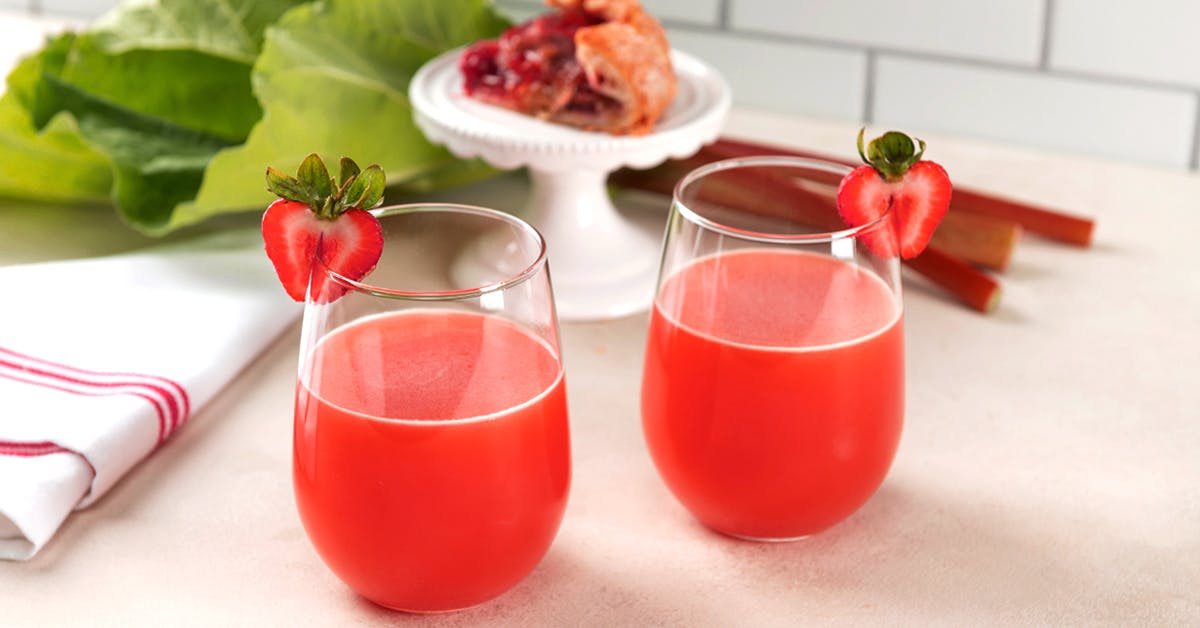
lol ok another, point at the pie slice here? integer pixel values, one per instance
(599, 65)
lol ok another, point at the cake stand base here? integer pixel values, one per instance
(602, 264)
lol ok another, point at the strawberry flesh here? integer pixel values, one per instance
(917, 192)
(320, 225)
(920, 201)
(862, 197)
(296, 238)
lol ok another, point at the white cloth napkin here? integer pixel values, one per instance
(102, 360)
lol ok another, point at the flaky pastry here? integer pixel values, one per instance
(599, 65)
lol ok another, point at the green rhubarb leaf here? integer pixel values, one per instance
(219, 28)
(154, 108)
(171, 108)
(155, 164)
(183, 87)
(447, 173)
(80, 173)
(186, 62)
(333, 78)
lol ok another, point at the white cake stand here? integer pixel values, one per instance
(603, 264)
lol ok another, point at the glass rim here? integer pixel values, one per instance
(765, 236)
(539, 260)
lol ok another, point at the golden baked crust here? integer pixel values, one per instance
(600, 65)
(627, 59)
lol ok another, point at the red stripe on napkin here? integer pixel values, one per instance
(169, 399)
(76, 387)
(171, 391)
(30, 450)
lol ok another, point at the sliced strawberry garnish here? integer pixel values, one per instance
(291, 236)
(918, 193)
(862, 197)
(319, 223)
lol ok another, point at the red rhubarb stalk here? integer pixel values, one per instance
(970, 285)
(783, 199)
(979, 239)
(1056, 225)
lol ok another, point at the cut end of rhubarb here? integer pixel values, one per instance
(982, 240)
(968, 284)
(1006, 259)
(1086, 233)
(993, 301)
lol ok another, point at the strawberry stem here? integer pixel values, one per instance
(327, 197)
(891, 154)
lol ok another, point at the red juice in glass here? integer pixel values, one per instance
(773, 389)
(431, 456)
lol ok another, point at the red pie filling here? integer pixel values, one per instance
(532, 67)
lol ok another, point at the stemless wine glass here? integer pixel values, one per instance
(773, 387)
(431, 458)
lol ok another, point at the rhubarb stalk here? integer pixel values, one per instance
(1056, 225)
(778, 196)
(969, 285)
(979, 239)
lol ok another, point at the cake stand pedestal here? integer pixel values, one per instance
(603, 265)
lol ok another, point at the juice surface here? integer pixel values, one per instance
(773, 390)
(431, 456)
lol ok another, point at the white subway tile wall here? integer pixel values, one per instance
(74, 8)
(1103, 78)
(1153, 40)
(1008, 31)
(27, 38)
(1060, 113)
(705, 12)
(1106, 78)
(817, 81)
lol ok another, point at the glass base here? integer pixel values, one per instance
(766, 539)
(425, 612)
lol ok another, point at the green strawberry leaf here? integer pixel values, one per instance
(367, 189)
(314, 174)
(283, 186)
(347, 170)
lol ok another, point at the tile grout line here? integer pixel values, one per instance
(868, 111)
(1194, 163)
(1047, 26)
(935, 57)
(723, 15)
